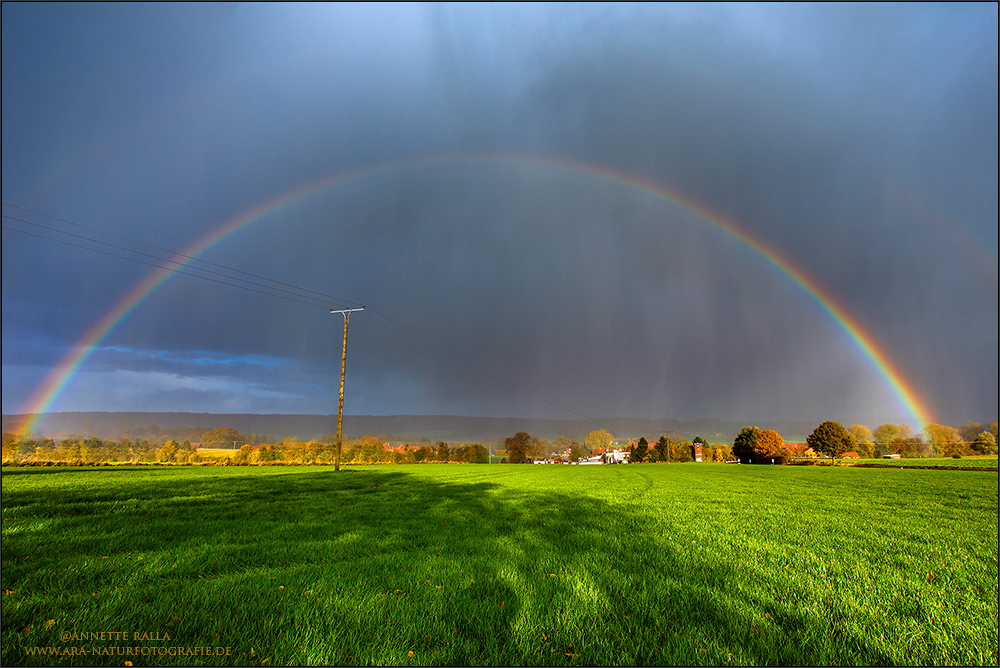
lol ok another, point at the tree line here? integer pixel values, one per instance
(832, 439)
(524, 448)
(751, 445)
(756, 445)
(22, 448)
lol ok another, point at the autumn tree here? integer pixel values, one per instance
(863, 440)
(10, 449)
(562, 444)
(985, 444)
(904, 447)
(479, 454)
(600, 438)
(303, 451)
(830, 438)
(441, 451)
(517, 447)
(44, 448)
(68, 450)
(368, 451)
(265, 453)
(945, 440)
(681, 451)
(576, 452)
(884, 435)
(721, 452)
(969, 431)
(222, 437)
(770, 446)
(168, 451)
(188, 452)
(908, 444)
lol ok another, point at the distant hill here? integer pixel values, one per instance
(451, 428)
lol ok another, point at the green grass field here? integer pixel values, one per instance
(500, 565)
(937, 462)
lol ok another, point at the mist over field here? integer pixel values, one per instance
(414, 428)
(550, 211)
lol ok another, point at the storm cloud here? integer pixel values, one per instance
(537, 217)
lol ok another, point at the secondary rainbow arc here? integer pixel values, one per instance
(48, 392)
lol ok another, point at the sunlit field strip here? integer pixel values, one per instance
(506, 565)
(211, 454)
(939, 462)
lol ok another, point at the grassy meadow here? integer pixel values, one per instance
(696, 564)
(987, 462)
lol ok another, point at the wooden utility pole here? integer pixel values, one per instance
(343, 366)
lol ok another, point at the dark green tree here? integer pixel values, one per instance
(640, 452)
(744, 445)
(480, 454)
(831, 438)
(662, 449)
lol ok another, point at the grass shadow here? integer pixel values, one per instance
(308, 566)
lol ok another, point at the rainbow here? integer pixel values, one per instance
(46, 395)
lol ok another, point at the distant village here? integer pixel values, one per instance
(227, 446)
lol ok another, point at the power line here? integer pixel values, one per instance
(158, 266)
(448, 357)
(394, 335)
(178, 254)
(150, 255)
(409, 338)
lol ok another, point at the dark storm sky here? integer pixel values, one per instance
(858, 141)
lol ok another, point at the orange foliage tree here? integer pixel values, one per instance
(769, 444)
